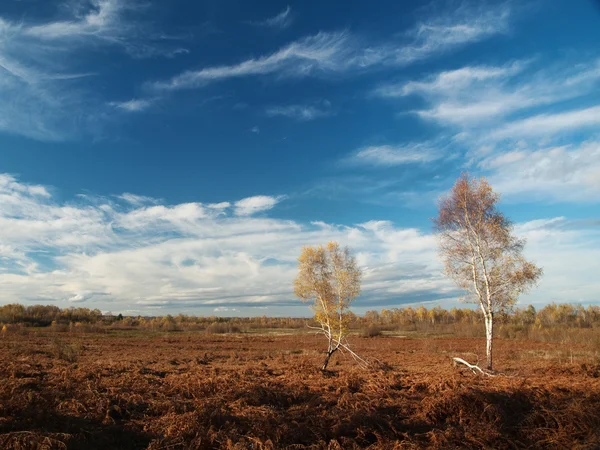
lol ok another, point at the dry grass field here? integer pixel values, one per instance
(138, 390)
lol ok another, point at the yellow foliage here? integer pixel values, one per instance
(330, 278)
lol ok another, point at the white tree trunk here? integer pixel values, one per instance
(489, 335)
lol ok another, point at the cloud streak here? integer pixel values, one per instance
(518, 123)
(304, 112)
(43, 97)
(545, 124)
(109, 22)
(474, 96)
(280, 21)
(318, 53)
(466, 24)
(389, 156)
(341, 52)
(133, 105)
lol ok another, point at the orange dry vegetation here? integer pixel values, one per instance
(184, 391)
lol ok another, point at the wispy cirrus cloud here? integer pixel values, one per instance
(467, 23)
(472, 96)
(550, 124)
(101, 20)
(450, 82)
(304, 112)
(389, 155)
(342, 52)
(280, 21)
(137, 200)
(109, 22)
(517, 124)
(133, 105)
(317, 53)
(44, 93)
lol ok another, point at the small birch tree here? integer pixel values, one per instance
(480, 252)
(329, 277)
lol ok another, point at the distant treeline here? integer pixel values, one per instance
(44, 315)
(421, 318)
(576, 316)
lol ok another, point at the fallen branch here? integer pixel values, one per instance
(341, 346)
(474, 368)
(361, 362)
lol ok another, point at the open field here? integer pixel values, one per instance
(132, 389)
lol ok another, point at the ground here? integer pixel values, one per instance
(138, 390)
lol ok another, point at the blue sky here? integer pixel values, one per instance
(175, 156)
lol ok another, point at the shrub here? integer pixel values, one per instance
(59, 327)
(69, 352)
(221, 328)
(17, 329)
(371, 331)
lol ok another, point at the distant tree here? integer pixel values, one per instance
(480, 252)
(329, 277)
(529, 315)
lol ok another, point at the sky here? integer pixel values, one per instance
(174, 157)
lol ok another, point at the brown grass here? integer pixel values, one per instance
(129, 390)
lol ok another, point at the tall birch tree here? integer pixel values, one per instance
(480, 251)
(330, 278)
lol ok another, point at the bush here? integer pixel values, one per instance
(371, 331)
(221, 328)
(59, 327)
(82, 327)
(17, 329)
(69, 352)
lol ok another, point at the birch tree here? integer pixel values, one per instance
(481, 253)
(330, 278)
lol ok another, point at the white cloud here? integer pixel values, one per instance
(569, 255)
(280, 21)
(136, 200)
(219, 206)
(225, 309)
(258, 203)
(465, 24)
(335, 52)
(549, 124)
(569, 173)
(518, 124)
(302, 113)
(443, 83)
(108, 22)
(476, 96)
(175, 256)
(190, 256)
(100, 20)
(452, 81)
(321, 52)
(133, 105)
(9, 184)
(387, 155)
(43, 91)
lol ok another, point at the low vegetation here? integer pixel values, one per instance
(194, 390)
